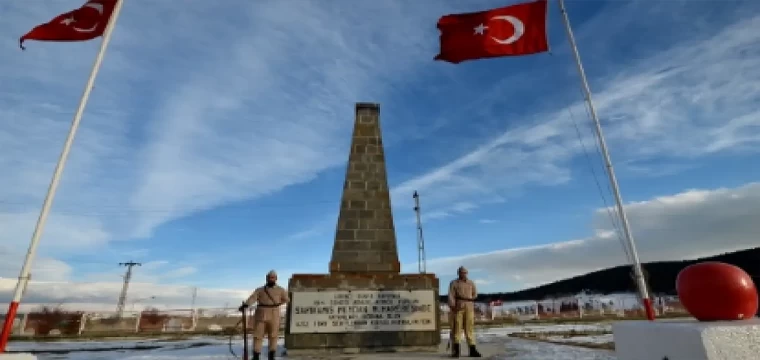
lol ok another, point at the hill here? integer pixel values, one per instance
(661, 278)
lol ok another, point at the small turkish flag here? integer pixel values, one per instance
(85, 23)
(509, 31)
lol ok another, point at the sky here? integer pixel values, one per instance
(214, 145)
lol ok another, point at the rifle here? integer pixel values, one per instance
(244, 311)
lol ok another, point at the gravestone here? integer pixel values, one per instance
(364, 303)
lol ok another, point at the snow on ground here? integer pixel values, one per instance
(590, 339)
(210, 348)
(518, 349)
(506, 330)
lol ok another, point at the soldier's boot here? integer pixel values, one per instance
(271, 355)
(255, 356)
(474, 352)
(455, 350)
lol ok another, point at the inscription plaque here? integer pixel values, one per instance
(362, 311)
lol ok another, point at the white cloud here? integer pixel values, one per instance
(180, 272)
(148, 288)
(692, 224)
(696, 99)
(43, 269)
(157, 271)
(225, 110)
(66, 233)
(207, 137)
(452, 210)
(488, 221)
(102, 296)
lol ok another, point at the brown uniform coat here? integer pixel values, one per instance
(266, 319)
(462, 294)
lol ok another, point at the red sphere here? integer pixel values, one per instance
(713, 291)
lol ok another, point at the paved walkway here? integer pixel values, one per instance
(489, 351)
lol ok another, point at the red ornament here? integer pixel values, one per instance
(714, 291)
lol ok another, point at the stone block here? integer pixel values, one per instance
(20, 356)
(353, 245)
(687, 340)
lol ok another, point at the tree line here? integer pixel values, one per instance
(661, 277)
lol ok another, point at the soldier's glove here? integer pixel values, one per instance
(243, 307)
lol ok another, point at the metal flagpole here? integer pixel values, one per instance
(23, 278)
(630, 244)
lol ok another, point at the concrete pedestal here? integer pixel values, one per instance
(17, 357)
(357, 341)
(489, 351)
(687, 340)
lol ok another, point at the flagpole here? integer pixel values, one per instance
(23, 278)
(630, 244)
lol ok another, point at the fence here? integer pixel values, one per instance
(576, 307)
(57, 321)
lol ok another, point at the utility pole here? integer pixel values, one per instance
(127, 278)
(195, 295)
(421, 262)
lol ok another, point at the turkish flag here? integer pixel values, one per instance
(509, 31)
(85, 23)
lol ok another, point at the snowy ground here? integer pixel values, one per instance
(586, 339)
(205, 348)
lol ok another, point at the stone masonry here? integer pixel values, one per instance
(364, 256)
(365, 239)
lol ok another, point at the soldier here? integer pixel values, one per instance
(462, 294)
(266, 319)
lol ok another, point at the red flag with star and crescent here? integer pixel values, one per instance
(86, 23)
(514, 30)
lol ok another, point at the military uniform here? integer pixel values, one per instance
(266, 318)
(462, 294)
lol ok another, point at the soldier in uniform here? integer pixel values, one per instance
(266, 319)
(462, 294)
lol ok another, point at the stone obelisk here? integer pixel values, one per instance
(364, 304)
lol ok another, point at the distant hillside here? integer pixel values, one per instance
(661, 278)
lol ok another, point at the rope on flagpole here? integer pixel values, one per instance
(607, 208)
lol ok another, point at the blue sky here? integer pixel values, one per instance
(214, 145)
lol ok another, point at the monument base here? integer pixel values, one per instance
(399, 332)
(489, 351)
(21, 356)
(687, 340)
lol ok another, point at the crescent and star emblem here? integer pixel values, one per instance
(516, 24)
(70, 20)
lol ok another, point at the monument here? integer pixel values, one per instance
(364, 303)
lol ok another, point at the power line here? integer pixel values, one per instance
(159, 209)
(64, 260)
(615, 220)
